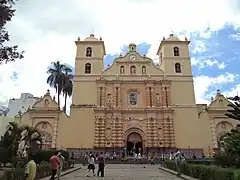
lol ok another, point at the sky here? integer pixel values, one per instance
(46, 31)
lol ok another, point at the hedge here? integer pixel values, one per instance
(43, 170)
(203, 172)
(201, 161)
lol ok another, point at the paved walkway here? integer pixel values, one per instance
(125, 172)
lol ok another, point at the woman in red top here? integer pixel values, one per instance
(54, 163)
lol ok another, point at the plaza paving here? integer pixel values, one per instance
(125, 172)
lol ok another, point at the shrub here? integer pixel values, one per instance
(202, 161)
(203, 172)
(224, 159)
(43, 170)
(45, 155)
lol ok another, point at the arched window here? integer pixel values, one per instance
(176, 51)
(122, 71)
(143, 69)
(87, 68)
(178, 68)
(89, 52)
(132, 69)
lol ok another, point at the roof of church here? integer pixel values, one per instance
(172, 38)
(91, 38)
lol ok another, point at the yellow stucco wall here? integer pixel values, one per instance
(165, 114)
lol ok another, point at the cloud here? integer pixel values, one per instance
(46, 30)
(203, 83)
(235, 36)
(207, 63)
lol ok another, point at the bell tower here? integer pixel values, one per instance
(89, 56)
(174, 56)
(89, 64)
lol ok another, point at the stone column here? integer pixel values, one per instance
(98, 96)
(147, 97)
(54, 134)
(103, 96)
(154, 132)
(119, 97)
(164, 100)
(97, 132)
(153, 97)
(166, 132)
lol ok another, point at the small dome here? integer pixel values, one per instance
(91, 38)
(172, 38)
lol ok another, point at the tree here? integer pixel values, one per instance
(234, 112)
(10, 140)
(67, 86)
(7, 53)
(232, 141)
(33, 137)
(56, 78)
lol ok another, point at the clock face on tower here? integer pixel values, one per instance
(132, 57)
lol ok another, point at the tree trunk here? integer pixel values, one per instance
(58, 94)
(65, 103)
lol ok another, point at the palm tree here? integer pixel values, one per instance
(55, 79)
(67, 85)
(13, 134)
(33, 137)
(234, 112)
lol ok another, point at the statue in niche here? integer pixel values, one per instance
(109, 99)
(144, 70)
(108, 133)
(132, 70)
(46, 102)
(122, 70)
(223, 125)
(158, 99)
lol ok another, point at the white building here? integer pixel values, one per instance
(26, 101)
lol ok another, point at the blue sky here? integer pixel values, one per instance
(220, 55)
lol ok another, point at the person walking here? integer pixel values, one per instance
(91, 164)
(54, 163)
(101, 165)
(31, 168)
(61, 160)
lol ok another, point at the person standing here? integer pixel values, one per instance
(177, 158)
(61, 160)
(31, 168)
(54, 163)
(101, 165)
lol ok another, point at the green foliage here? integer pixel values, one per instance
(202, 162)
(60, 78)
(232, 141)
(203, 172)
(7, 53)
(45, 155)
(43, 170)
(234, 112)
(9, 141)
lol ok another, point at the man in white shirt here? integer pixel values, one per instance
(177, 158)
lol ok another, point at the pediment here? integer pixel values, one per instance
(46, 103)
(133, 59)
(220, 102)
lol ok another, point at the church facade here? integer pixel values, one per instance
(133, 104)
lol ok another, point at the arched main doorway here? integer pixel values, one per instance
(134, 143)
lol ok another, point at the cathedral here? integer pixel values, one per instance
(133, 104)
